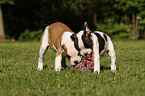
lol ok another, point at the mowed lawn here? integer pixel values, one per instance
(19, 75)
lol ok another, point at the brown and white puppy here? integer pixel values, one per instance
(59, 37)
(99, 43)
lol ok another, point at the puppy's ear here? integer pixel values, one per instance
(86, 30)
(73, 36)
(75, 40)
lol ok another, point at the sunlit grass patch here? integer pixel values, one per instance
(19, 74)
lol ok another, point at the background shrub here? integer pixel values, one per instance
(28, 35)
(114, 30)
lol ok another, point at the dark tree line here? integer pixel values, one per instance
(115, 17)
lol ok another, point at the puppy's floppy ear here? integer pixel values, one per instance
(73, 36)
(86, 30)
(75, 40)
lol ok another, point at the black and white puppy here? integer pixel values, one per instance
(99, 43)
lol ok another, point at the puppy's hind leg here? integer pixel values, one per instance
(111, 53)
(43, 47)
(63, 61)
(58, 59)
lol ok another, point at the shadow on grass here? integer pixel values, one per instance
(105, 68)
(66, 68)
(63, 68)
(45, 67)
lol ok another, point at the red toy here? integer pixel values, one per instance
(86, 64)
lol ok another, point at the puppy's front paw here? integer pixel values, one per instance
(57, 69)
(95, 71)
(113, 68)
(40, 68)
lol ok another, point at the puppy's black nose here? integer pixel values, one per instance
(76, 62)
(86, 54)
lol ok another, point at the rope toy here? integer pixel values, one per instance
(86, 64)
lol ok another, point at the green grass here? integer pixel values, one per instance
(19, 77)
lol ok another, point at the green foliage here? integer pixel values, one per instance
(19, 75)
(73, 13)
(28, 35)
(128, 5)
(133, 10)
(7, 1)
(114, 30)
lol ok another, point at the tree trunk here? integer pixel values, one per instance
(126, 21)
(2, 33)
(144, 35)
(133, 21)
(127, 24)
(137, 31)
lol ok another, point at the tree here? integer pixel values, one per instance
(83, 8)
(2, 32)
(130, 10)
(93, 11)
(106, 15)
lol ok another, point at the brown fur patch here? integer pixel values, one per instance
(65, 49)
(56, 31)
(58, 53)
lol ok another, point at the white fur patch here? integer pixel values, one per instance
(42, 49)
(58, 63)
(96, 53)
(80, 41)
(71, 50)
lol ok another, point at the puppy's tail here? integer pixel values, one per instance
(44, 35)
(87, 30)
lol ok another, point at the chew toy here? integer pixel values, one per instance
(86, 64)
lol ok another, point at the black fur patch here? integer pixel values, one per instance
(79, 54)
(88, 43)
(101, 42)
(75, 39)
(107, 51)
(105, 37)
(68, 56)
